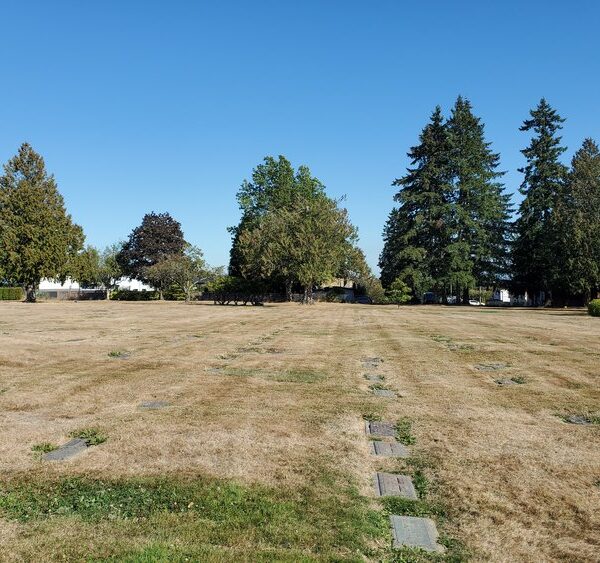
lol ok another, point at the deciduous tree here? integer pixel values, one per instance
(306, 241)
(158, 237)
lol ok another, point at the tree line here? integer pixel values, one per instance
(38, 239)
(453, 227)
(291, 237)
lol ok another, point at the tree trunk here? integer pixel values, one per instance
(308, 295)
(288, 290)
(30, 296)
(466, 296)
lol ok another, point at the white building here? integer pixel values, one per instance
(70, 285)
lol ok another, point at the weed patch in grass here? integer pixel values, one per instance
(519, 379)
(440, 338)
(420, 482)
(91, 436)
(404, 432)
(406, 507)
(118, 354)
(43, 448)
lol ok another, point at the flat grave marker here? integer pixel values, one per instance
(380, 428)
(411, 531)
(491, 366)
(392, 485)
(577, 419)
(66, 451)
(153, 405)
(374, 378)
(372, 362)
(389, 449)
(505, 382)
(384, 393)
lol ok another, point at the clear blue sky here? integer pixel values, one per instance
(167, 106)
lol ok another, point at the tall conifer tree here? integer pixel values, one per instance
(38, 238)
(478, 253)
(537, 242)
(418, 232)
(577, 222)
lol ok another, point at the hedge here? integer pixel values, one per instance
(594, 308)
(134, 295)
(11, 294)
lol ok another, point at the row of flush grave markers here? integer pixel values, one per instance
(408, 531)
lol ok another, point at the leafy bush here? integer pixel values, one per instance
(231, 289)
(173, 293)
(594, 308)
(335, 295)
(134, 295)
(11, 294)
(374, 290)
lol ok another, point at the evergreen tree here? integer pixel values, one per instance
(537, 242)
(577, 222)
(479, 249)
(418, 233)
(38, 239)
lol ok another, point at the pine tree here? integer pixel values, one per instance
(38, 239)
(577, 222)
(479, 250)
(417, 235)
(537, 242)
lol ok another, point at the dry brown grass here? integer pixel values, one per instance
(273, 395)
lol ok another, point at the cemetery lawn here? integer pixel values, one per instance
(256, 450)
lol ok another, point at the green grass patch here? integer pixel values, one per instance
(440, 338)
(286, 376)
(92, 436)
(187, 516)
(161, 553)
(404, 432)
(406, 507)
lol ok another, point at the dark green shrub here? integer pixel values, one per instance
(173, 293)
(11, 294)
(134, 295)
(594, 308)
